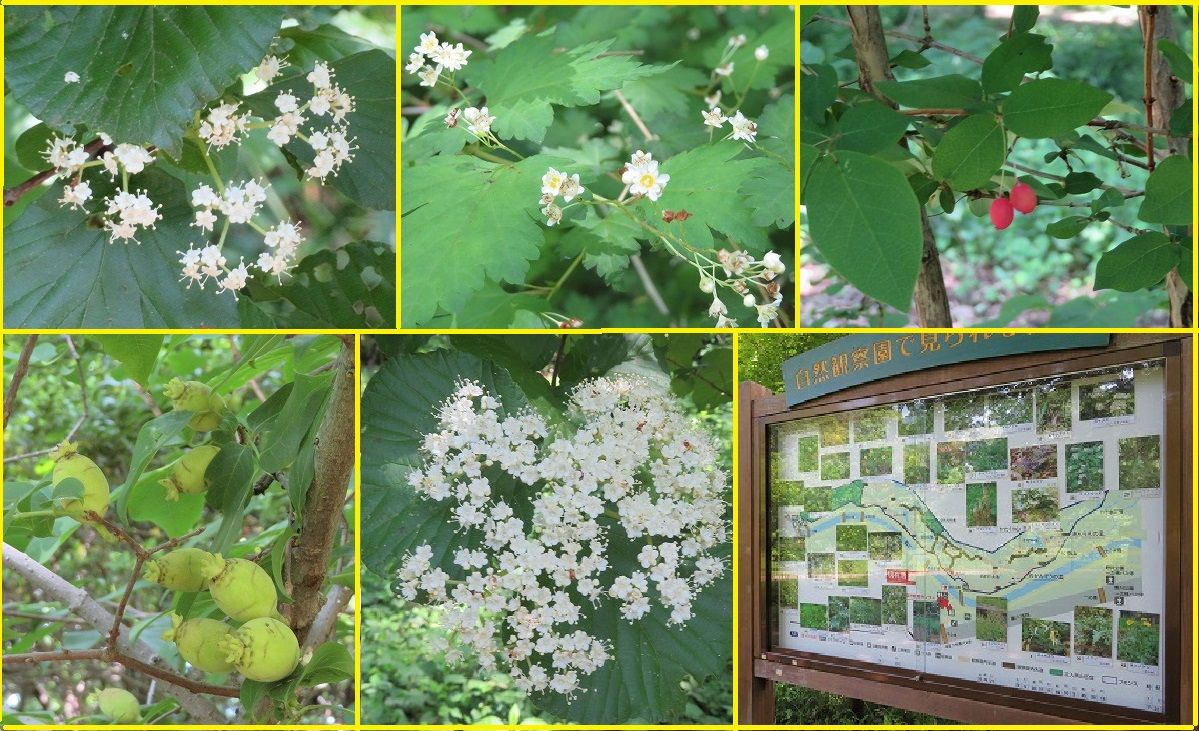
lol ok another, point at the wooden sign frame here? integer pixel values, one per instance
(762, 664)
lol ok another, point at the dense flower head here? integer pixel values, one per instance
(125, 212)
(625, 467)
(223, 126)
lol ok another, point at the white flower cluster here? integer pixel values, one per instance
(743, 128)
(742, 272)
(554, 184)
(642, 176)
(628, 470)
(239, 203)
(124, 212)
(430, 57)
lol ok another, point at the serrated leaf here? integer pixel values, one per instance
(350, 287)
(870, 127)
(61, 272)
(970, 153)
(1168, 192)
(770, 192)
(428, 135)
(776, 128)
(1052, 107)
(953, 90)
(523, 81)
(1137, 263)
(323, 43)
(1005, 67)
(865, 221)
(666, 92)
(487, 214)
(136, 82)
(609, 242)
(280, 438)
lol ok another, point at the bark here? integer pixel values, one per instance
(874, 64)
(334, 458)
(1168, 95)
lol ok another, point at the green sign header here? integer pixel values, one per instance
(857, 359)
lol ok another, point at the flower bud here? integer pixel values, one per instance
(262, 649)
(179, 570)
(241, 588)
(198, 641)
(69, 463)
(187, 476)
(120, 706)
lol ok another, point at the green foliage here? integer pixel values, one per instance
(970, 152)
(1138, 637)
(1168, 192)
(1052, 107)
(794, 704)
(761, 355)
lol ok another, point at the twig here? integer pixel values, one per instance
(1061, 178)
(18, 375)
(109, 655)
(926, 42)
(12, 195)
(1148, 14)
(650, 289)
(649, 136)
(326, 619)
(558, 360)
(78, 602)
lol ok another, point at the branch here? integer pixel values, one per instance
(141, 655)
(926, 41)
(649, 136)
(106, 655)
(12, 195)
(326, 619)
(334, 465)
(10, 398)
(1148, 15)
(651, 289)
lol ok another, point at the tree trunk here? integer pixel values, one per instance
(874, 64)
(1168, 95)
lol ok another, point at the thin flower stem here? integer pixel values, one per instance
(565, 275)
(256, 227)
(742, 94)
(224, 230)
(216, 177)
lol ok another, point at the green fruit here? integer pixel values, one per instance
(262, 649)
(179, 570)
(207, 407)
(69, 463)
(198, 641)
(120, 706)
(241, 588)
(188, 474)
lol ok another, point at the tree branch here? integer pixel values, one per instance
(649, 136)
(109, 655)
(12, 195)
(334, 464)
(1147, 17)
(18, 375)
(78, 602)
(326, 619)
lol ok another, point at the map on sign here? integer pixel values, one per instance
(1011, 536)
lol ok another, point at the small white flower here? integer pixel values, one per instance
(761, 53)
(640, 159)
(453, 57)
(268, 69)
(205, 219)
(748, 300)
(737, 41)
(416, 61)
(707, 284)
(70, 77)
(428, 75)
(191, 267)
(723, 322)
(134, 158)
(428, 43)
(645, 180)
(570, 188)
(717, 309)
(320, 76)
(286, 102)
(713, 99)
(725, 70)
(222, 126)
(743, 128)
(773, 265)
(76, 195)
(767, 313)
(551, 182)
(479, 121)
(714, 118)
(552, 213)
(204, 196)
(235, 280)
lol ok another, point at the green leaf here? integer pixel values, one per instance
(1024, 17)
(524, 80)
(278, 554)
(1106, 309)
(770, 192)
(31, 144)
(665, 93)
(369, 179)
(1068, 227)
(1052, 107)
(951, 91)
(1005, 67)
(152, 437)
(1180, 62)
(350, 287)
(909, 60)
(428, 135)
(1014, 306)
(61, 272)
(148, 503)
(1168, 192)
(280, 438)
(1079, 183)
(330, 663)
(1137, 263)
(138, 353)
(144, 70)
(491, 221)
(706, 181)
(870, 127)
(608, 241)
(808, 155)
(866, 223)
(970, 153)
(306, 45)
(397, 411)
(776, 128)
(1180, 119)
(817, 90)
(232, 472)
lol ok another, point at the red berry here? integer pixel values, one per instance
(1023, 198)
(1001, 213)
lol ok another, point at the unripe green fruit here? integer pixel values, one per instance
(207, 407)
(188, 474)
(179, 570)
(120, 706)
(69, 463)
(241, 588)
(262, 649)
(198, 641)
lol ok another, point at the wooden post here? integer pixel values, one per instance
(756, 694)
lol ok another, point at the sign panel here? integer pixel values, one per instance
(1011, 536)
(857, 359)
